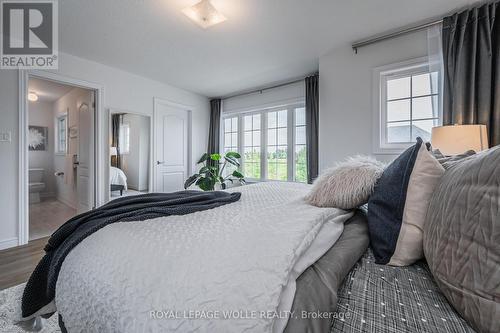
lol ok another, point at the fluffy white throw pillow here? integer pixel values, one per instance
(348, 184)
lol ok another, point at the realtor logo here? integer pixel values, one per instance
(29, 34)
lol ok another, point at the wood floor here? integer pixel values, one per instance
(16, 264)
(46, 216)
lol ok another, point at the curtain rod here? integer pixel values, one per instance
(267, 88)
(393, 34)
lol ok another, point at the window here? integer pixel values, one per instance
(273, 142)
(231, 134)
(61, 134)
(277, 145)
(251, 145)
(409, 104)
(300, 158)
(124, 138)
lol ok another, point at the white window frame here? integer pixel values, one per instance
(263, 137)
(380, 77)
(57, 131)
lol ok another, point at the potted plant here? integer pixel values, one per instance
(212, 171)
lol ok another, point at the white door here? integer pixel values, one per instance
(85, 156)
(171, 147)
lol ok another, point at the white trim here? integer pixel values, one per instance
(380, 74)
(23, 205)
(189, 109)
(113, 110)
(8, 243)
(23, 200)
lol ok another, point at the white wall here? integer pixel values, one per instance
(40, 114)
(123, 90)
(135, 164)
(346, 112)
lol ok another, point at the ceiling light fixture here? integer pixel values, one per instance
(32, 97)
(204, 14)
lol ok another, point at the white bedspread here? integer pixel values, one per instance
(238, 260)
(117, 177)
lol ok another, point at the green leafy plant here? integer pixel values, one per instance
(212, 171)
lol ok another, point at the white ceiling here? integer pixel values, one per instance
(47, 91)
(262, 42)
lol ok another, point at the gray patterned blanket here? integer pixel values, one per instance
(378, 298)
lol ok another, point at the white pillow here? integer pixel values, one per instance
(424, 178)
(347, 185)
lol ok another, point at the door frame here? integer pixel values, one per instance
(189, 109)
(23, 200)
(112, 111)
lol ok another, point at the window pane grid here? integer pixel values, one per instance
(231, 134)
(419, 92)
(251, 144)
(277, 145)
(272, 147)
(413, 120)
(412, 97)
(300, 151)
(61, 134)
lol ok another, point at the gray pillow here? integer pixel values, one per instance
(449, 161)
(347, 185)
(462, 238)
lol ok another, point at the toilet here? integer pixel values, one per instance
(36, 184)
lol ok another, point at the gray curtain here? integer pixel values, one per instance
(116, 120)
(214, 130)
(312, 123)
(471, 44)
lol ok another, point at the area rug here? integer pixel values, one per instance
(10, 307)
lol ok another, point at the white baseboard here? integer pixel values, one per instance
(8, 243)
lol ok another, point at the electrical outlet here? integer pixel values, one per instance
(5, 137)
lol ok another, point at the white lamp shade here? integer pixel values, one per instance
(113, 151)
(457, 139)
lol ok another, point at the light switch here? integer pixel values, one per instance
(5, 137)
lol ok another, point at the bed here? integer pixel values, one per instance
(173, 273)
(117, 180)
(204, 272)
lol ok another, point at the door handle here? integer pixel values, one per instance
(158, 162)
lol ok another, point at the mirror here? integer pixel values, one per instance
(130, 154)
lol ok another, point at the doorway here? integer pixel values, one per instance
(172, 146)
(58, 155)
(130, 170)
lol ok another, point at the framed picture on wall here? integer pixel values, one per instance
(37, 137)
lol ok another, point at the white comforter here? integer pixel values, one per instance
(188, 273)
(117, 177)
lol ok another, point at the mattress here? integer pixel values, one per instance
(316, 297)
(117, 177)
(379, 298)
(236, 260)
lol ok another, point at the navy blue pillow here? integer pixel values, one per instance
(387, 203)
